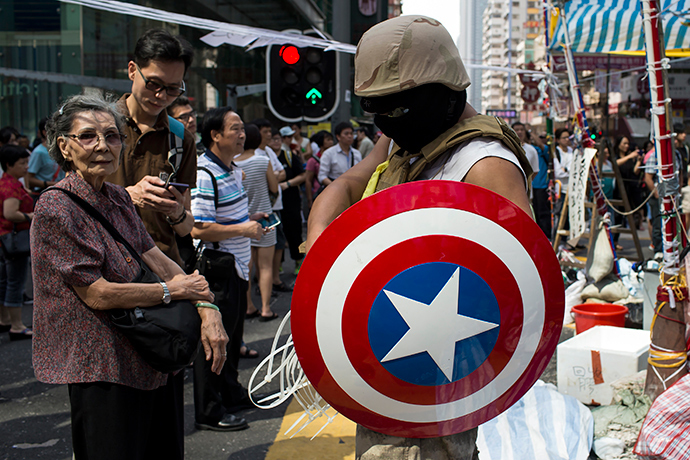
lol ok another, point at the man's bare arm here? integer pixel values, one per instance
(503, 177)
(344, 191)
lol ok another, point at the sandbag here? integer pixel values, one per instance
(600, 256)
(609, 289)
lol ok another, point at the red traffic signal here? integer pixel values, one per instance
(301, 83)
(290, 54)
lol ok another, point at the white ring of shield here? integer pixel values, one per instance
(396, 229)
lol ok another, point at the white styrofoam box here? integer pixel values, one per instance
(588, 363)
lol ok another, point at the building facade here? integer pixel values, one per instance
(50, 50)
(510, 29)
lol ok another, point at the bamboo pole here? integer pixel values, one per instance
(586, 140)
(667, 361)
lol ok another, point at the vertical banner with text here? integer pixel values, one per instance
(577, 190)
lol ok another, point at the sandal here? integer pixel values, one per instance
(256, 314)
(282, 287)
(265, 319)
(248, 353)
(25, 334)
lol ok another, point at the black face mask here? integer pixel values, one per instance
(415, 117)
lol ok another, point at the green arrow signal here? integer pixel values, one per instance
(314, 94)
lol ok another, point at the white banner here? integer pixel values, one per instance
(577, 190)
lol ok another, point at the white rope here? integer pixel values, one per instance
(282, 364)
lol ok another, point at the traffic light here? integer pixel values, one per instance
(302, 83)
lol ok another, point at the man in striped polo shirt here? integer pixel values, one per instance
(226, 228)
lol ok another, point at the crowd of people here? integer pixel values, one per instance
(638, 169)
(240, 192)
(175, 189)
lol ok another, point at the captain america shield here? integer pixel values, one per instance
(427, 309)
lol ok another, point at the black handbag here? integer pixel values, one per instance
(165, 335)
(212, 263)
(15, 243)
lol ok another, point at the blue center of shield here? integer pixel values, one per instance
(423, 283)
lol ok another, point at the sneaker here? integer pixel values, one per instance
(229, 422)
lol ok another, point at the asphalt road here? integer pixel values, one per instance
(35, 418)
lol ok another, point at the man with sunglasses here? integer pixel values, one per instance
(181, 110)
(157, 73)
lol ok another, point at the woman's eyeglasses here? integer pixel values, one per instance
(91, 139)
(157, 87)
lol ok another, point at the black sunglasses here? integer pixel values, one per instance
(157, 87)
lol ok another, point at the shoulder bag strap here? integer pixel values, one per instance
(176, 142)
(215, 193)
(90, 210)
(215, 184)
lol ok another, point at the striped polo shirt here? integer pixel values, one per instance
(232, 206)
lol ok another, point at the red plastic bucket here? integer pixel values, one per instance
(588, 315)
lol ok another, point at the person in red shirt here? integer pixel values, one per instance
(17, 210)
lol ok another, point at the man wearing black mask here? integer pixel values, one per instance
(408, 72)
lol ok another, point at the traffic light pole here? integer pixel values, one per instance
(342, 31)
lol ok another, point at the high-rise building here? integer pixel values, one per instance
(495, 36)
(470, 45)
(510, 28)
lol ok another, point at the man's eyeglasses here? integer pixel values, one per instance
(90, 139)
(157, 87)
(186, 116)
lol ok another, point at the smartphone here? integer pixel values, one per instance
(271, 221)
(180, 187)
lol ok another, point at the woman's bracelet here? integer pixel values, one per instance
(207, 305)
(27, 217)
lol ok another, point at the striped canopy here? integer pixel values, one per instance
(605, 26)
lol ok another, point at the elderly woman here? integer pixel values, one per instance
(121, 407)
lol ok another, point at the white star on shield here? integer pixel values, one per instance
(435, 328)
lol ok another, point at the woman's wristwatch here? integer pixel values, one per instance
(166, 293)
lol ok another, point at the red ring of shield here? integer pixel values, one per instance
(382, 205)
(408, 254)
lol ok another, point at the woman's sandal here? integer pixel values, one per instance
(256, 314)
(25, 334)
(248, 353)
(265, 319)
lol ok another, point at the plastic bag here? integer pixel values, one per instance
(543, 424)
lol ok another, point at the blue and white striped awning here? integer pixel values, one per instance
(603, 26)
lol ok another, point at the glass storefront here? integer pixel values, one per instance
(59, 39)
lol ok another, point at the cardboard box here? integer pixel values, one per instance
(588, 363)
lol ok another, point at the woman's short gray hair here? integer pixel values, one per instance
(60, 123)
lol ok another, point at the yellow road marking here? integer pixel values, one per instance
(335, 442)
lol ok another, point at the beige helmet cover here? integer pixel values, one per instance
(405, 52)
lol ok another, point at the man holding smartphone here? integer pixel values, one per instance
(157, 73)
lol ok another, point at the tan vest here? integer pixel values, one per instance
(399, 169)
